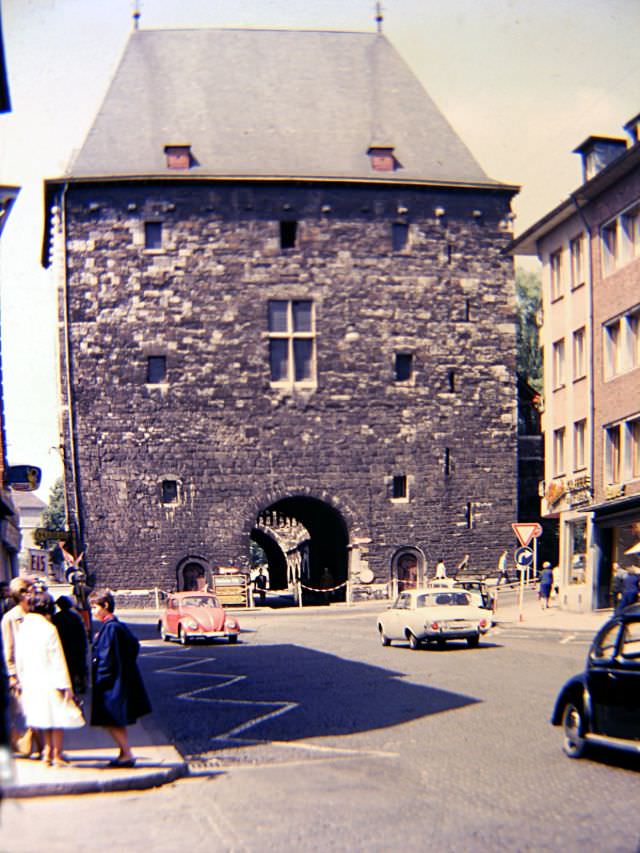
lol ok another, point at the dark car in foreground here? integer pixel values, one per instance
(602, 704)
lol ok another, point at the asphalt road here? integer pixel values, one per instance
(308, 735)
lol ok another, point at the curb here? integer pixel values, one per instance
(139, 782)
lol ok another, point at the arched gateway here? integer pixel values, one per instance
(304, 539)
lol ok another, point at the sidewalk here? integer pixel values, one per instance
(89, 750)
(533, 616)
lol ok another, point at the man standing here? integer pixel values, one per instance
(441, 569)
(503, 572)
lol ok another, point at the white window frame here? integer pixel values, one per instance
(559, 364)
(610, 242)
(579, 444)
(555, 275)
(630, 232)
(576, 254)
(579, 353)
(613, 454)
(632, 454)
(290, 335)
(612, 348)
(558, 451)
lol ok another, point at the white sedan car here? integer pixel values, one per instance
(434, 616)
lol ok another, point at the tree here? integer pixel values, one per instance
(528, 304)
(54, 517)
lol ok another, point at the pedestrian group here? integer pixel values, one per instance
(45, 652)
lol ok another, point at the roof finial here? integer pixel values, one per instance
(379, 16)
(136, 15)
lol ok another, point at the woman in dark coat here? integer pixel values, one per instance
(118, 694)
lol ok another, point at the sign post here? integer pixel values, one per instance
(525, 557)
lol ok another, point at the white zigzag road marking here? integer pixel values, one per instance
(280, 708)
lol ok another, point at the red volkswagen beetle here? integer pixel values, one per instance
(196, 616)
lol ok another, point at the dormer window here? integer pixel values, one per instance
(382, 158)
(178, 156)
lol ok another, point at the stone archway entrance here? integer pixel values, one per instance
(407, 569)
(304, 539)
(192, 574)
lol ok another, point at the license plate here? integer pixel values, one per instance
(458, 626)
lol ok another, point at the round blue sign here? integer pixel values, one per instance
(523, 557)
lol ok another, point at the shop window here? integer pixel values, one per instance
(577, 551)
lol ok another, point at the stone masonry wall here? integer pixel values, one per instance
(235, 443)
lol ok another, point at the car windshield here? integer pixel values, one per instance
(200, 601)
(446, 599)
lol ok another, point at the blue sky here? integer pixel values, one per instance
(522, 81)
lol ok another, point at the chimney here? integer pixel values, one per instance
(382, 158)
(598, 152)
(178, 156)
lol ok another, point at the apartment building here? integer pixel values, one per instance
(589, 246)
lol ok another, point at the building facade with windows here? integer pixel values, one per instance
(590, 249)
(287, 318)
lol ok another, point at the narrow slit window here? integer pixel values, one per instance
(169, 491)
(153, 235)
(447, 462)
(156, 369)
(399, 236)
(399, 486)
(288, 234)
(467, 310)
(403, 366)
(469, 515)
(451, 379)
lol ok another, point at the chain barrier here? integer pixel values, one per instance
(324, 588)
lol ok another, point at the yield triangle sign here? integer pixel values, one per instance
(526, 531)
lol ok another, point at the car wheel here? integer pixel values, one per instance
(414, 642)
(182, 637)
(163, 633)
(441, 644)
(573, 743)
(383, 637)
(233, 638)
(473, 642)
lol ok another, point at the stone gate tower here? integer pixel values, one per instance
(286, 317)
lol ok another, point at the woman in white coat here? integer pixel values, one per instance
(43, 678)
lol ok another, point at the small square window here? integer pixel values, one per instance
(403, 366)
(156, 369)
(288, 234)
(153, 235)
(169, 492)
(399, 236)
(399, 486)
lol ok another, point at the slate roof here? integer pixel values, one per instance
(270, 104)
